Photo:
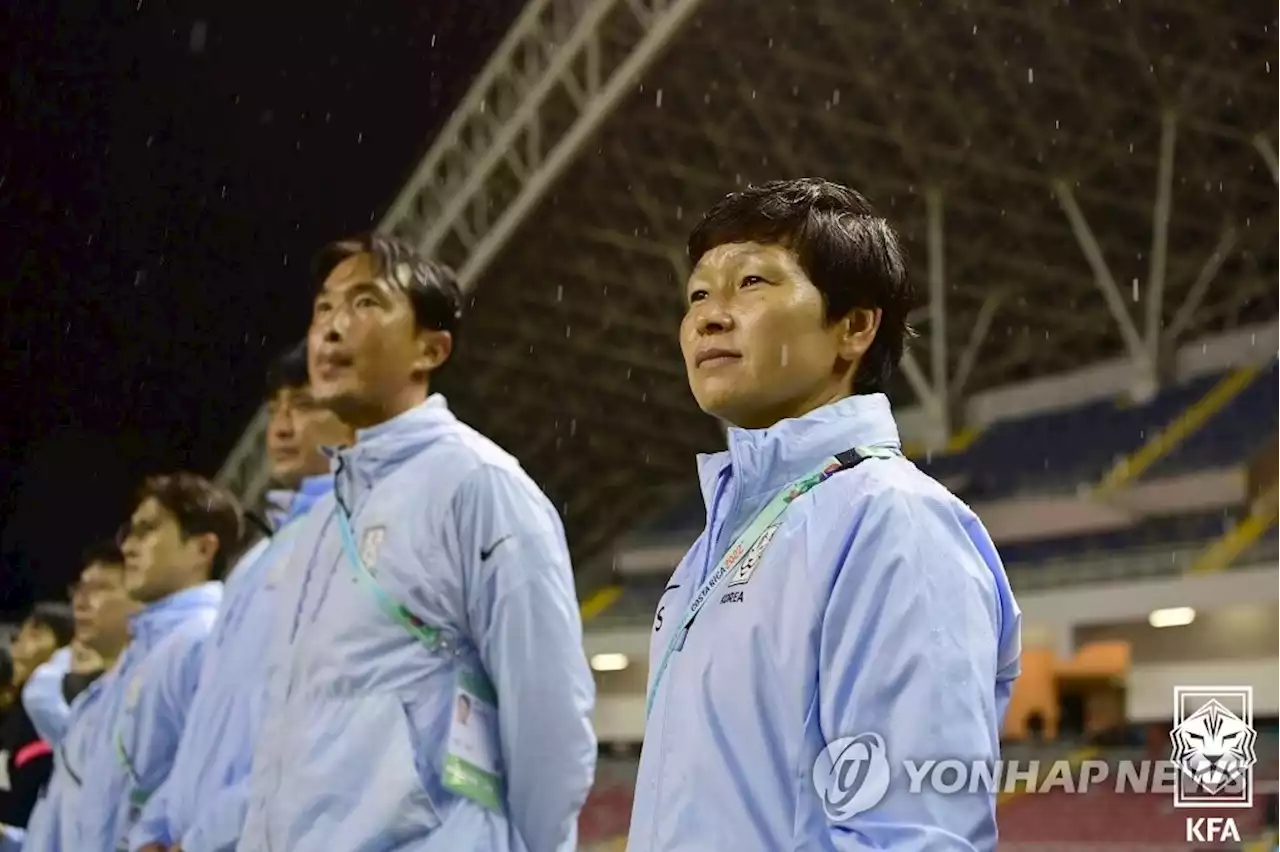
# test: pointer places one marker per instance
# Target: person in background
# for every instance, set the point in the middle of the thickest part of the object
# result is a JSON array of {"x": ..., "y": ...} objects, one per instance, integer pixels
[
  {"x": 176, "y": 546},
  {"x": 840, "y": 605},
  {"x": 8, "y": 695},
  {"x": 26, "y": 760},
  {"x": 201, "y": 805},
  {"x": 102, "y": 609},
  {"x": 439, "y": 570},
  {"x": 49, "y": 692}
]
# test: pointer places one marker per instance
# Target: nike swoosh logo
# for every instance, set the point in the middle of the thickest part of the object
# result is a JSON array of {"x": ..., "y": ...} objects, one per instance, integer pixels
[
  {"x": 672, "y": 586},
  {"x": 485, "y": 554}
]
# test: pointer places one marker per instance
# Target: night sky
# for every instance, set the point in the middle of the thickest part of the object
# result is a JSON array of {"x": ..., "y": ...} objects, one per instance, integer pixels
[{"x": 166, "y": 172}]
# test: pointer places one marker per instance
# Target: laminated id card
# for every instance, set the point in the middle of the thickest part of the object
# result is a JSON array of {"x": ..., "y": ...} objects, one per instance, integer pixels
[{"x": 472, "y": 763}]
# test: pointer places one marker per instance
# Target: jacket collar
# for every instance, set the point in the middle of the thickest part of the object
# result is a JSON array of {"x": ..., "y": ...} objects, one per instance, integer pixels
[
  {"x": 381, "y": 449},
  {"x": 159, "y": 617},
  {"x": 763, "y": 461}
]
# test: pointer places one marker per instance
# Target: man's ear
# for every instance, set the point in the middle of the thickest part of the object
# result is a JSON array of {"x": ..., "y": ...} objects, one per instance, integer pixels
[
  {"x": 856, "y": 332},
  {"x": 434, "y": 348},
  {"x": 206, "y": 545}
]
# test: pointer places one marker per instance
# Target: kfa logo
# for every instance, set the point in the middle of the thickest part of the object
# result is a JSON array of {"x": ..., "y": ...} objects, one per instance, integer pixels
[
  {"x": 370, "y": 544},
  {"x": 1213, "y": 750},
  {"x": 749, "y": 562}
]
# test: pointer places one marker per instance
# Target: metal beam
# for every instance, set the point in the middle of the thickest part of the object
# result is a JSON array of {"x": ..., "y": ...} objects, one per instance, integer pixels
[
  {"x": 1160, "y": 234},
  {"x": 1264, "y": 147},
  {"x": 1200, "y": 287},
  {"x": 915, "y": 377},
  {"x": 937, "y": 304},
  {"x": 497, "y": 123},
  {"x": 977, "y": 335},
  {"x": 1102, "y": 274},
  {"x": 663, "y": 24}
]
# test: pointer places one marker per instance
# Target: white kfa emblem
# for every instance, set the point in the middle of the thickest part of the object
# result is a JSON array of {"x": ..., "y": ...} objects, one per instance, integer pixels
[
  {"x": 749, "y": 562},
  {"x": 370, "y": 544},
  {"x": 133, "y": 692}
]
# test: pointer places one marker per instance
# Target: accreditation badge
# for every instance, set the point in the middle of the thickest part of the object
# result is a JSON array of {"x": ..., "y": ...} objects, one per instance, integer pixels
[{"x": 472, "y": 763}]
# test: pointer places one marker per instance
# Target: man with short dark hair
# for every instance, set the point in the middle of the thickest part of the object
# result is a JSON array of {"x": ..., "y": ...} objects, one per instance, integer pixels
[
  {"x": 841, "y": 612},
  {"x": 438, "y": 571},
  {"x": 77, "y": 726},
  {"x": 201, "y": 805},
  {"x": 176, "y": 546}
]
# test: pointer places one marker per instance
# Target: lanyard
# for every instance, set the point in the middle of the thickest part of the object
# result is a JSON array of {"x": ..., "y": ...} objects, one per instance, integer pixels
[
  {"x": 756, "y": 537},
  {"x": 395, "y": 611}
]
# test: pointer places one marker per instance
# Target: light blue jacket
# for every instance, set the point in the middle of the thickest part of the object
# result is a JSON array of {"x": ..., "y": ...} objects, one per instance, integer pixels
[
  {"x": 168, "y": 639},
  {"x": 43, "y": 699},
  {"x": 353, "y": 745},
  {"x": 880, "y": 606},
  {"x": 55, "y": 825},
  {"x": 202, "y": 803}
]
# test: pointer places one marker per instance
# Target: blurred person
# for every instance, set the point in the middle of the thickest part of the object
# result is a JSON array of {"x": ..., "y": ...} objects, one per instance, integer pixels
[
  {"x": 176, "y": 546},
  {"x": 441, "y": 571},
  {"x": 836, "y": 591},
  {"x": 26, "y": 759},
  {"x": 49, "y": 692},
  {"x": 201, "y": 805},
  {"x": 102, "y": 609}
]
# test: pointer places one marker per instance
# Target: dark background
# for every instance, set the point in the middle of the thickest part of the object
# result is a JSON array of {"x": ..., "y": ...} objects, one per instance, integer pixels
[{"x": 166, "y": 172}]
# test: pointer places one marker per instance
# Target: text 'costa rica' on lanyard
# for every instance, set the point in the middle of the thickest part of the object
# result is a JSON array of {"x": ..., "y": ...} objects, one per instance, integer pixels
[{"x": 760, "y": 531}]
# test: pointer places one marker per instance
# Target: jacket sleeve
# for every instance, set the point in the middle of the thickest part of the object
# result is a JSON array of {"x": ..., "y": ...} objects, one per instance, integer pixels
[
  {"x": 11, "y": 839},
  {"x": 218, "y": 825},
  {"x": 43, "y": 699},
  {"x": 153, "y": 824},
  {"x": 524, "y": 615},
  {"x": 908, "y": 650},
  {"x": 150, "y": 732}
]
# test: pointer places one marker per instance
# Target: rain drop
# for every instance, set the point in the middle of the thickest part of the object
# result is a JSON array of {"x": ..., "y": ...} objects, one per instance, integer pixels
[
  {"x": 1135, "y": 289},
  {"x": 785, "y": 353},
  {"x": 559, "y": 293},
  {"x": 1031, "y": 75},
  {"x": 658, "y": 100},
  {"x": 199, "y": 36}
]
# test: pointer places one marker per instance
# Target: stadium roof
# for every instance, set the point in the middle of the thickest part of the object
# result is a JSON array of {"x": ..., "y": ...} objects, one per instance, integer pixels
[{"x": 1074, "y": 181}]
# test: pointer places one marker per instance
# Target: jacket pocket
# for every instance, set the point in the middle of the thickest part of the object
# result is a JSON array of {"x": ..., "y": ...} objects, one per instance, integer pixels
[{"x": 360, "y": 787}]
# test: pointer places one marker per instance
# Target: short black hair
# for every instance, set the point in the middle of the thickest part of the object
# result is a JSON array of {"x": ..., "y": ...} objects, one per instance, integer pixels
[
  {"x": 103, "y": 552},
  {"x": 850, "y": 253},
  {"x": 288, "y": 370},
  {"x": 57, "y": 617},
  {"x": 200, "y": 507},
  {"x": 432, "y": 287}
]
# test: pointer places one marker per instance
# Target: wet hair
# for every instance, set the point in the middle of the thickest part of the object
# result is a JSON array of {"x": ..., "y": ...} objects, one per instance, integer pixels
[
  {"x": 200, "y": 507},
  {"x": 57, "y": 617},
  {"x": 849, "y": 252},
  {"x": 432, "y": 287},
  {"x": 103, "y": 552},
  {"x": 288, "y": 370}
]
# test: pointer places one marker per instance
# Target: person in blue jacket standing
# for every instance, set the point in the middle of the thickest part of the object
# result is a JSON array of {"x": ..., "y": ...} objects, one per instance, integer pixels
[
  {"x": 201, "y": 805},
  {"x": 176, "y": 545},
  {"x": 438, "y": 571},
  {"x": 841, "y": 612},
  {"x": 102, "y": 609}
]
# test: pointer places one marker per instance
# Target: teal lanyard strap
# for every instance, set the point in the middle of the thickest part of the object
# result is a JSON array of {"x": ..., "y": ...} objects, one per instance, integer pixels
[
  {"x": 393, "y": 610},
  {"x": 138, "y": 796},
  {"x": 759, "y": 531}
]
